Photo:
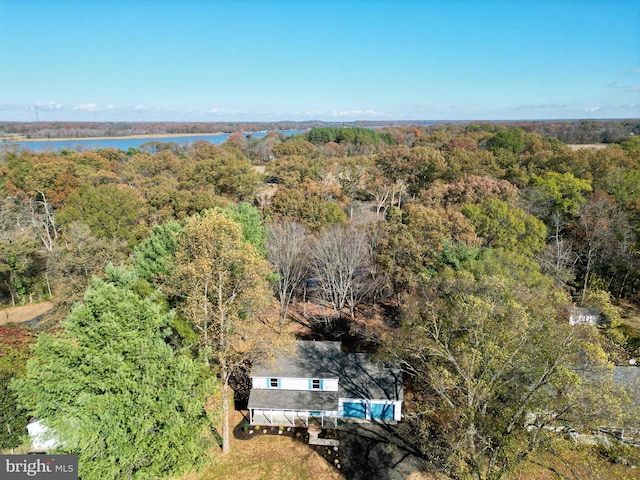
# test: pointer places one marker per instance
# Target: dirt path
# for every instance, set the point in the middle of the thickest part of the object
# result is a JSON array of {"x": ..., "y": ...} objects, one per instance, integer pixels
[{"x": 24, "y": 313}]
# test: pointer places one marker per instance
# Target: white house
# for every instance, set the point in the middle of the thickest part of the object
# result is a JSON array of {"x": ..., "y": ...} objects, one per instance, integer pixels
[
  {"x": 42, "y": 438},
  {"x": 318, "y": 384},
  {"x": 580, "y": 315}
]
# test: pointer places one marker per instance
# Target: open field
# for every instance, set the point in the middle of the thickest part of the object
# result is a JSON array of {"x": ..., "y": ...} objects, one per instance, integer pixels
[{"x": 590, "y": 146}]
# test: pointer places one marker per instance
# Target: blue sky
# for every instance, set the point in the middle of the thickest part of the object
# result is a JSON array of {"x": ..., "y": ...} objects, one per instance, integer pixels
[{"x": 198, "y": 60}]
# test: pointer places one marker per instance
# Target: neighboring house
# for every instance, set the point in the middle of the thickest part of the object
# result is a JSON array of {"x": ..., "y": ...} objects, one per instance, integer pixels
[
  {"x": 42, "y": 438},
  {"x": 579, "y": 315},
  {"x": 317, "y": 384}
]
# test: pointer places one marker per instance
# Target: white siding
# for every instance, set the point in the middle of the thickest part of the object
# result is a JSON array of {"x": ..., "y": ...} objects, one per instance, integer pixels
[
  {"x": 295, "y": 384},
  {"x": 42, "y": 438},
  {"x": 328, "y": 384},
  {"x": 259, "y": 382},
  {"x": 397, "y": 411}
]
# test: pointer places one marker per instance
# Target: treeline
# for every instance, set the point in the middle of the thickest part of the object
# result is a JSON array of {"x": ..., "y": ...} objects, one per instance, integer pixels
[
  {"x": 569, "y": 131},
  {"x": 356, "y": 135},
  {"x": 453, "y": 250},
  {"x": 123, "y": 129}
]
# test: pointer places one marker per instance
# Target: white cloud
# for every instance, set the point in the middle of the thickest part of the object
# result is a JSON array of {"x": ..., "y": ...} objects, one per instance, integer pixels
[
  {"x": 355, "y": 113},
  {"x": 222, "y": 111},
  {"x": 88, "y": 107},
  {"x": 592, "y": 109},
  {"x": 539, "y": 106},
  {"x": 49, "y": 105}
]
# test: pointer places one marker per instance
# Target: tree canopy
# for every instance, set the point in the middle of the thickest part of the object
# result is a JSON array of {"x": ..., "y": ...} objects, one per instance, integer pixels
[
  {"x": 220, "y": 283},
  {"x": 486, "y": 350},
  {"x": 456, "y": 249},
  {"x": 113, "y": 391}
]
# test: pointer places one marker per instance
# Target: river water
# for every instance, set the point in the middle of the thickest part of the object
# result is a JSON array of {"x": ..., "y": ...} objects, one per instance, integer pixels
[{"x": 122, "y": 143}]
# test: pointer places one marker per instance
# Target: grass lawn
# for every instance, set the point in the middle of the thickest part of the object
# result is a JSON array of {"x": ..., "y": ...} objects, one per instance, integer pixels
[
  {"x": 578, "y": 462},
  {"x": 266, "y": 457}
]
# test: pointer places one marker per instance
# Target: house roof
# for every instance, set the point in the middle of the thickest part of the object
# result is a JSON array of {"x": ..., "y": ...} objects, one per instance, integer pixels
[
  {"x": 362, "y": 377},
  {"x": 359, "y": 376},
  {"x": 293, "y": 399},
  {"x": 306, "y": 361}
]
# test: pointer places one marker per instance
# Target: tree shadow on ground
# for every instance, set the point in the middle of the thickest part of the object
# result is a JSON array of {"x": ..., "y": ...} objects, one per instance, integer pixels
[{"x": 373, "y": 451}]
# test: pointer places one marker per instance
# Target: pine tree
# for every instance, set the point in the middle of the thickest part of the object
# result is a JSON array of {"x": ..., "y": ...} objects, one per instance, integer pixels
[{"x": 113, "y": 391}]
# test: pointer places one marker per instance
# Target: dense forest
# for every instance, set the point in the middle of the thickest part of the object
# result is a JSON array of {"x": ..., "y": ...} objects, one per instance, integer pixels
[{"x": 454, "y": 250}]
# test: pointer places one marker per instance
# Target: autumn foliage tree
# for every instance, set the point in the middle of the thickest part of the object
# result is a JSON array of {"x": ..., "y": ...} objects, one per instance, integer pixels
[
  {"x": 221, "y": 285},
  {"x": 484, "y": 351},
  {"x": 15, "y": 341}
]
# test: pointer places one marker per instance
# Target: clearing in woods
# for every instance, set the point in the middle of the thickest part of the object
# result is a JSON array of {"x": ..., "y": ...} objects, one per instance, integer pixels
[{"x": 24, "y": 313}]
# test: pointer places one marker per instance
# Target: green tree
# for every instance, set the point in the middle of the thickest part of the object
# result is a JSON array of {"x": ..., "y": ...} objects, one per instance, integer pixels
[
  {"x": 496, "y": 368},
  {"x": 109, "y": 211},
  {"x": 295, "y": 146},
  {"x": 556, "y": 199},
  {"x": 249, "y": 218},
  {"x": 632, "y": 146},
  {"x": 416, "y": 242},
  {"x": 113, "y": 391},
  {"x": 313, "y": 211},
  {"x": 18, "y": 261},
  {"x": 228, "y": 173},
  {"x": 291, "y": 171},
  {"x": 154, "y": 255},
  {"x": 502, "y": 226},
  {"x": 561, "y": 193},
  {"x": 512, "y": 140},
  {"x": 221, "y": 285},
  {"x": 15, "y": 341},
  {"x": 417, "y": 167}
]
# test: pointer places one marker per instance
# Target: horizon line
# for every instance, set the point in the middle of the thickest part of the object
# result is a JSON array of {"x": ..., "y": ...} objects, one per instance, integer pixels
[{"x": 471, "y": 120}]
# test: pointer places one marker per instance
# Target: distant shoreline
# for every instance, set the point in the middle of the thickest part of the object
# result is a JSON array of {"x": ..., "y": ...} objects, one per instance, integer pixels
[{"x": 74, "y": 139}]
